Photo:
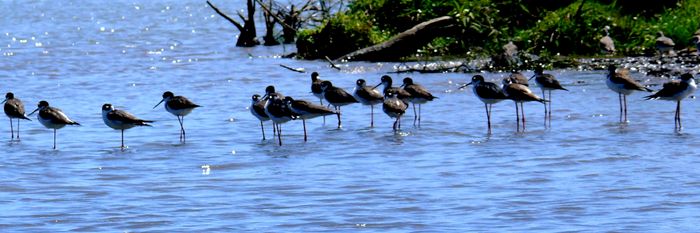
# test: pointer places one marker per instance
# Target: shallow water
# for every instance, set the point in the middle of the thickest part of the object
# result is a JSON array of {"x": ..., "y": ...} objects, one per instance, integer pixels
[{"x": 585, "y": 173}]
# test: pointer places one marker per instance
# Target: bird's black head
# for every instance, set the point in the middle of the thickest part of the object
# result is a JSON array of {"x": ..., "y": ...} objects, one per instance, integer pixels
[
  {"x": 107, "y": 107},
  {"x": 256, "y": 97},
  {"x": 407, "y": 81},
  {"x": 326, "y": 84},
  {"x": 9, "y": 96},
  {"x": 386, "y": 79},
  {"x": 686, "y": 77},
  {"x": 270, "y": 89},
  {"x": 288, "y": 99},
  {"x": 539, "y": 70},
  {"x": 314, "y": 76},
  {"x": 168, "y": 94},
  {"x": 360, "y": 82},
  {"x": 477, "y": 78},
  {"x": 611, "y": 68},
  {"x": 43, "y": 104}
]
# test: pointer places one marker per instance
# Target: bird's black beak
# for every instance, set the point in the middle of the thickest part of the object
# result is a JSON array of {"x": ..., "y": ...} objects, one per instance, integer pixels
[
  {"x": 37, "y": 109},
  {"x": 532, "y": 77},
  {"x": 161, "y": 101}
]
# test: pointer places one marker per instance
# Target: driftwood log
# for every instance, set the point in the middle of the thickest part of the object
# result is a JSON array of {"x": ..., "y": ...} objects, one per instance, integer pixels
[{"x": 404, "y": 43}]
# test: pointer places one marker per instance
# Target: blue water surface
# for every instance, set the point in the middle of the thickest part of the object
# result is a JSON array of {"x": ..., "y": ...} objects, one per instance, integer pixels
[{"x": 585, "y": 173}]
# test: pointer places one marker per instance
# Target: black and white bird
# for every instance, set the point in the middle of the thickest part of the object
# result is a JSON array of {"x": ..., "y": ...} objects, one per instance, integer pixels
[
  {"x": 278, "y": 112},
  {"x": 306, "y": 110},
  {"x": 52, "y": 118},
  {"x": 489, "y": 93},
  {"x": 121, "y": 120},
  {"x": 623, "y": 85},
  {"x": 179, "y": 106},
  {"x": 399, "y": 92},
  {"x": 394, "y": 108},
  {"x": 418, "y": 95},
  {"x": 548, "y": 83},
  {"x": 519, "y": 94},
  {"x": 337, "y": 97},
  {"x": 367, "y": 95},
  {"x": 14, "y": 109},
  {"x": 676, "y": 90},
  {"x": 257, "y": 108}
]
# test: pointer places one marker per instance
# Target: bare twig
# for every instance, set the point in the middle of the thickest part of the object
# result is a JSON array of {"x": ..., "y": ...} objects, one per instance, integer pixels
[
  {"x": 299, "y": 70},
  {"x": 280, "y": 21},
  {"x": 238, "y": 25},
  {"x": 332, "y": 64}
]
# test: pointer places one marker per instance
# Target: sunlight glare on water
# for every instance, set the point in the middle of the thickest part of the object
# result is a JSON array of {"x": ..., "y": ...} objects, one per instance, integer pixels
[{"x": 585, "y": 173}]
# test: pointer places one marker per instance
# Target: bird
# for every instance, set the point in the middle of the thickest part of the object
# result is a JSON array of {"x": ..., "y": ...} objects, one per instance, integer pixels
[
  {"x": 337, "y": 97},
  {"x": 316, "y": 86},
  {"x": 14, "y": 109},
  {"x": 400, "y": 93},
  {"x": 547, "y": 82},
  {"x": 519, "y": 94},
  {"x": 676, "y": 90},
  {"x": 664, "y": 44},
  {"x": 306, "y": 110},
  {"x": 316, "y": 89},
  {"x": 489, "y": 93},
  {"x": 270, "y": 90},
  {"x": 121, "y": 120},
  {"x": 52, "y": 118},
  {"x": 695, "y": 40},
  {"x": 394, "y": 108},
  {"x": 257, "y": 108},
  {"x": 418, "y": 95},
  {"x": 278, "y": 112},
  {"x": 606, "y": 43},
  {"x": 623, "y": 85},
  {"x": 179, "y": 106},
  {"x": 515, "y": 77},
  {"x": 367, "y": 96}
]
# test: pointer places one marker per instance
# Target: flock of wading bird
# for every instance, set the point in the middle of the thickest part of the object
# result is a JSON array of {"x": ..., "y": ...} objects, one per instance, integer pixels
[
  {"x": 54, "y": 118},
  {"x": 395, "y": 100}
]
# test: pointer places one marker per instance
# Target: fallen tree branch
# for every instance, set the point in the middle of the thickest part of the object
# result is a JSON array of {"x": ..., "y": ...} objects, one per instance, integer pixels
[
  {"x": 332, "y": 64},
  {"x": 238, "y": 25},
  {"x": 299, "y": 70}
]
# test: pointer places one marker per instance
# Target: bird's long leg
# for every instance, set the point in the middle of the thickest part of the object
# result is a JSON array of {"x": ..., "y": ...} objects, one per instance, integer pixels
[
  {"x": 54, "y": 139},
  {"x": 624, "y": 99},
  {"x": 303, "y": 122},
  {"x": 183, "y": 136},
  {"x": 522, "y": 112},
  {"x": 550, "y": 109},
  {"x": 17, "y": 129},
  {"x": 371, "y": 114},
  {"x": 262, "y": 128},
  {"x": 545, "y": 105},
  {"x": 122, "y": 140},
  {"x": 279, "y": 133},
  {"x": 339, "y": 123},
  {"x": 517, "y": 117},
  {"x": 488, "y": 116},
  {"x": 678, "y": 115},
  {"x": 274, "y": 130},
  {"x": 619, "y": 97}
]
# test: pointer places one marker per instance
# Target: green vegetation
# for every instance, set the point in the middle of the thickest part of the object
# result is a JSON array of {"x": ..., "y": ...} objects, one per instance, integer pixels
[{"x": 546, "y": 28}]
